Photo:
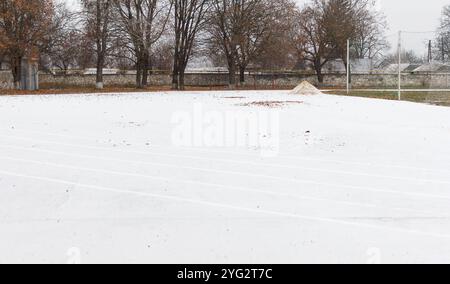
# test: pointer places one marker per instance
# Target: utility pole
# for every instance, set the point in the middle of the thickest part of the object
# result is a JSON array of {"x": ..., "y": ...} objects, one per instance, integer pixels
[
  {"x": 399, "y": 67},
  {"x": 442, "y": 49},
  {"x": 348, "y": 66},
  {"x": 430, "y": 56}
]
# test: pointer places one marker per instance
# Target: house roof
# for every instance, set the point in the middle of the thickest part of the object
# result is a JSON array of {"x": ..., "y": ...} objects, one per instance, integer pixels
[
  {"x": 361, "y": 66},
  {"x": 404, "y": 67},
  {"x": 429, "y": 67}
]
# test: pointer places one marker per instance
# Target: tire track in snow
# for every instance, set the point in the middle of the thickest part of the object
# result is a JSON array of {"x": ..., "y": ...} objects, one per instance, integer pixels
[{"x": 79, "y": 186}]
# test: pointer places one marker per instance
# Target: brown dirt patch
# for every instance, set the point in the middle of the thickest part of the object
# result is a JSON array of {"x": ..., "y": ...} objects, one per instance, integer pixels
[
  {"x": 271, "y": 104},
  {"x": 64, "y": 90}
]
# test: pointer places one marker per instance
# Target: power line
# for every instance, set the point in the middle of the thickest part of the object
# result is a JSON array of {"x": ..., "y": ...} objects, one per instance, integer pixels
[{"x": 418, "y": 32}]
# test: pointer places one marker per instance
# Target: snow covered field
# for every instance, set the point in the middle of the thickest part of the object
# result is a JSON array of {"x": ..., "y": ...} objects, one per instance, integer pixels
[{"x": 97, "y": 178}]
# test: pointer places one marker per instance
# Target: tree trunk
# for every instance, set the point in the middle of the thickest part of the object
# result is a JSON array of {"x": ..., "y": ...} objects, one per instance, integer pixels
[
  {"x": 17, "y": 72},
  {"x": 99, "y": 79},
  {"x": 139, "y": 71},
  {"x": 175, "y": 75},
  {"x": 146, "y": 64},
  {"x": 241, "y": 75},
  {"x": 231, "y": 76},
  {"x": 181, "y": 79},
  {"x": 320, "y": 77},
  {"x": 318, "y": 68},
  {"x": 175, "y": 81},
  {"x": 101, "y": 45}
]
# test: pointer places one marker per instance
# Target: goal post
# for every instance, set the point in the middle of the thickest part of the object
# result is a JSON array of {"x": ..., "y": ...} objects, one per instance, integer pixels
[
  {"x": 404, "y": 65},
  {"x": 348, "y": 66},
  {"x": 399, "y": 50}
]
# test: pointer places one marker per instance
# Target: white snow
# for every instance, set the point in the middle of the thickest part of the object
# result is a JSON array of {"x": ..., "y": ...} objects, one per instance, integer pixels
[
  {"x": 95, "y": 179},
  {"x": 305, "y": 88}
]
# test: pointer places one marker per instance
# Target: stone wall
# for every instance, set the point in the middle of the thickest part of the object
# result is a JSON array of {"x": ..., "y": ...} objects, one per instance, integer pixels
[
  {"x": 276, "y": 80},
  {"x": 46, "y": 80},
  {"x": 358, "y": 80},
  {"x": 6, "y": 80}
]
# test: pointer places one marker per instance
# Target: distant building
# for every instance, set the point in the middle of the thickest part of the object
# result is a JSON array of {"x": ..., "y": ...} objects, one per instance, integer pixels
[
  {"x": 93, "y": 71},
  {"x": 427, "y": 68},
  {"x": 357, "y": 66},
  {"x": 433, "y": 67},
  {"x": 337, "y": 66},
  {"x": 404, "y": 68}
]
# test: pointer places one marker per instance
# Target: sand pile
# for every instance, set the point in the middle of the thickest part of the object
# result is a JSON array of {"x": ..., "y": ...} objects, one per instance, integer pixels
[{"x": 305, "y": 88}]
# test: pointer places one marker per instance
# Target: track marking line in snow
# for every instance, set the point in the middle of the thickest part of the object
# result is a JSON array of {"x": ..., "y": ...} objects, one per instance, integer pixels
[
  {"x": 79, "y": 186},
  {"x": 300, "y": 181},
  {"x": 233, "y": 161},
  {"x": 94, "y": 139},
  {"x": 235, "y": 188}
]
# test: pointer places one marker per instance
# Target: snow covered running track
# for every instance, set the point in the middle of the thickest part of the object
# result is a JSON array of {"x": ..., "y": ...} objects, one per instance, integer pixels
[{"x": 355, "y": 180}]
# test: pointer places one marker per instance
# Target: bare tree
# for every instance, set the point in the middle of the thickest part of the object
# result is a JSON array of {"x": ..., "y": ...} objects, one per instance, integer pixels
[
  {"x": 189, "y": 18},
  {"x": 277, "y": 52},
  {"x": 240, "y": 30},
  {"x": 64, "y": 54},
  {"x": 63, "y": 44},
  {"x": 357, "y": 21},
  {"x": 144, "y": 22},
  {"x": 369, "y": 40},
  {"x": 255, "y": 23},
  {"x": 162, "y": 55},
  {"x": 222, "y": 32},
  {"x": 97, "y": 17},
  {"x": 23, "y": 28},
  {"x": 326, "y": 25},
  {"x": 408, "y": 56},
  {"x": 442, "y": 42},
  {"x": 311, "y": 40}
]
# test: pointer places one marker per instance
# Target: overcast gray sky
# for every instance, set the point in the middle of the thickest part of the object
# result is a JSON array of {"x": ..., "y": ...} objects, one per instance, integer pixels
[{"x": 405, "y": 15}]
